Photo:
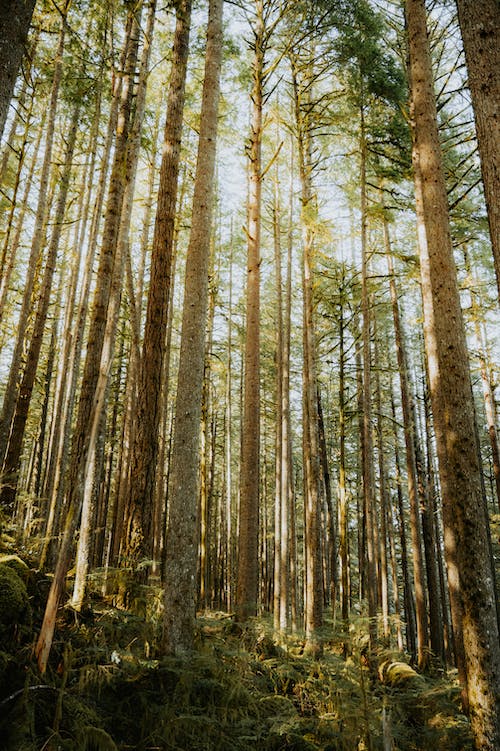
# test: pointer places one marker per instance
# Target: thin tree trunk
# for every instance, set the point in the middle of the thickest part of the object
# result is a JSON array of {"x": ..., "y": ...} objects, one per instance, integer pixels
[
  {"x": 367, "y": 442},
  {"x": 11, "y": 391},
  {"x": 310, "y": 418},
  {"x": 411, "y": 462},
  {"x": 14, "y": 449},
  {"x": 90, "y": 407},
  {"x": 408, "y": 602},
  {"x": 248, "y": 542}
]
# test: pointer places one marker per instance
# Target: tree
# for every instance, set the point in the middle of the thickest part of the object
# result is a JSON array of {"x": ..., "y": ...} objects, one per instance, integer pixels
[
  {"x": 452, "y": 401},
  {"x": 247, "y": 581},
  {"x": 182, "y": 531},
  {"x": 80, "y": 472},
  {"x": 480, "y": 28},
  {"x": 144, "y": 450},
  {"x": 15, "y": 21}
]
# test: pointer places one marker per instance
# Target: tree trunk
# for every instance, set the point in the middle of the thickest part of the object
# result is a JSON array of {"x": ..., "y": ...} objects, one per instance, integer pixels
[
  {"x": 15, "y": 20},
  {"x": 480, "y": 28},
  {"x": 367, "y": 442},
  {"x": 182, "y": 530},
  {"x": 453, "y": 407},
  {"x": 14, "y": 449},
  {"x": 144, "y": 450},
  {"x": 90, "y": 406},
  {"x": 411, "y": 462},
  {"x": 247, "y": 577},
  {"x": 310, "y": 417},
  {"x": 39, "y": 230}
]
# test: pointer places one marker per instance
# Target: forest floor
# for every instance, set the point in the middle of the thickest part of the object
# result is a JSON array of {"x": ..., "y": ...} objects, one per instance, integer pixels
[{"x": 107, "y": 690}]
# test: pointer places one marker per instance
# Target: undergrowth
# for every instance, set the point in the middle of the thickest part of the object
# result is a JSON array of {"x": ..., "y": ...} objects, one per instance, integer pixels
[{"x": 239, "y": 690}]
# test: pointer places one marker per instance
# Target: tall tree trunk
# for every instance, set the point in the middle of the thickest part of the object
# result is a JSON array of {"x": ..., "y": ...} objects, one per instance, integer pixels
[
  {"x": 144, "y": 450},
  {"x": 247, "y": 576},
  {"x": 90, "y": 405},
  {"x": 310, "y": 417},
  {"x": 408, "y": 602},
  {"x": 279, "y": 616},
  {"x": 367, "y": 442},
  {"x": 342, "y": 484},
  {"x": 39, "y": 230},
  {"x": 123, "y": 252},
  {"x": 14, "y": 449},
  {"x": 15, "y": 20},
  {"x": 411, "y": 462},
  {"x": 182, "y": 530},
  {"x": 453, "y": 407},
  {"x": 480, "y": 28}
]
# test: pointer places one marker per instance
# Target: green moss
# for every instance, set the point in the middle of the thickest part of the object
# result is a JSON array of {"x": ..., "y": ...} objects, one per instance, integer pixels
[
  {"x": 15, "y": 611},
  {"x": 16, "y": 564}
]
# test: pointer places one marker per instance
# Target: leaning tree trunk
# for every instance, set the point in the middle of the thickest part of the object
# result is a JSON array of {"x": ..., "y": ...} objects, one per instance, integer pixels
[
  {"x": 480, "y": 28},
  {"x": 89, "y": 407},
  {"x": 453, "y": 406},
  {"x": 39, "y": 230},
  {"x": 13, "y": 456}
]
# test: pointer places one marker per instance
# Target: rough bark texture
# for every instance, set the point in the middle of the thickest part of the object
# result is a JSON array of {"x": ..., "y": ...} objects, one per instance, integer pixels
[
  {"x": 453, "y": 406},
  {"x": 13, "y": 456},
  {"x": 480, "y": 28},
  {"x": 313, "y": 615},
  {"x": 411, "y": 464},
  {"x": 144, "y": 449},
  {"x": 247, "y": 581},
  {"x": 182, "y": 531},
  {"x": 90, "y": 402},
  {"x": 11, "y": 391},
  {"x": 15, "y": 20}
]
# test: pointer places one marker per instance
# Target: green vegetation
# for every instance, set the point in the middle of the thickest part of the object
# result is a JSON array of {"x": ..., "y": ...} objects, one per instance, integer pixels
[{"x": 106, "y": 688}]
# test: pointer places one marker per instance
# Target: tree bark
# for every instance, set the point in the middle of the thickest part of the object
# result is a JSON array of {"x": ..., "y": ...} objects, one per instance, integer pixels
[
  {"x": 15, "y": 21},
  {"x": 14, "y": 449},
  {"x": 453, "y": 407},
  {"x": 247, "y": 576},
  {"x": 90, "y": 402},
  {"x": 182, "y": 530},
  {"x": 480, "y": 28},
  {"x": 144, "y": 450}
]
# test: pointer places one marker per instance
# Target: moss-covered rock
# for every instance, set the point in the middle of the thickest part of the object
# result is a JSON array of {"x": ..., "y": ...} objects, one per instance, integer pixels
[
  {"x": 16, "y": 564},
  {"x": 15, "y": 611}
]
